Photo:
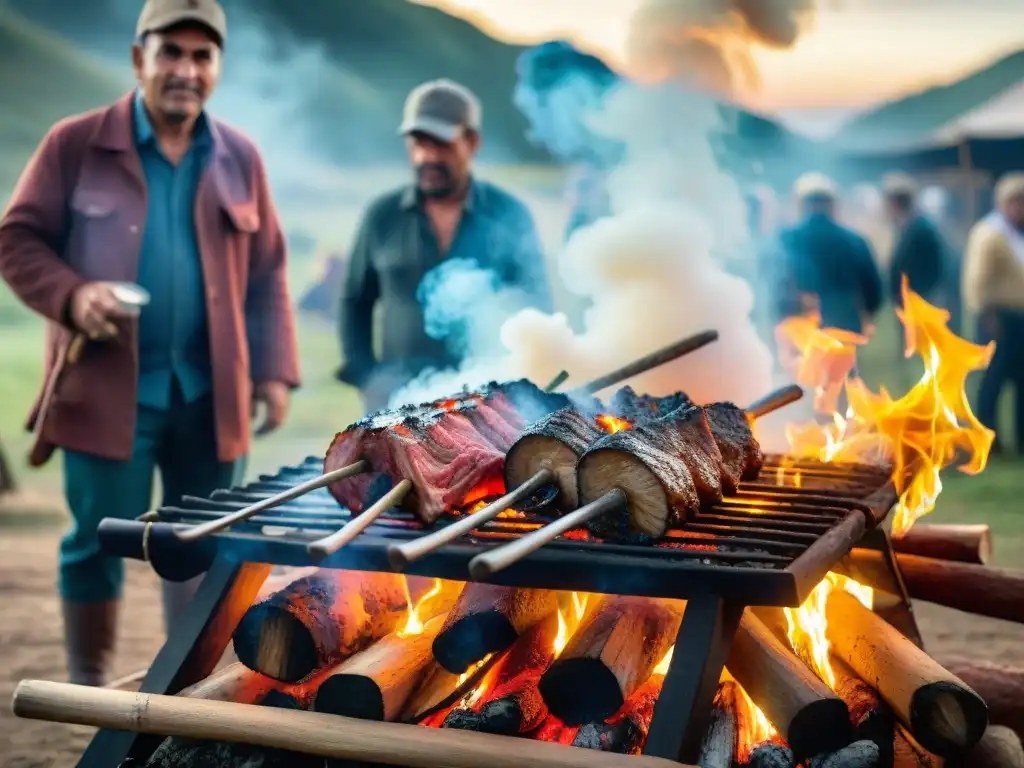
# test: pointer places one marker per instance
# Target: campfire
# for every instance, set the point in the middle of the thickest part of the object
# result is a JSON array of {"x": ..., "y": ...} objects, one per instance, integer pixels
[{"x": 761, "y": 622}]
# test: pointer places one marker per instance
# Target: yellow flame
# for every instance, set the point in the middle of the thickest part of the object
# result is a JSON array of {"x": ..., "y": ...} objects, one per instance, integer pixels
[
  {"x": 755, "y": 727},
  {"x": 413, "y": 623},
  {"x": 928, "y": 429},
  {"x": 662, "y": 668},
  {"x": 576, "y": 609},
  {"x": 807, "y": 625}
]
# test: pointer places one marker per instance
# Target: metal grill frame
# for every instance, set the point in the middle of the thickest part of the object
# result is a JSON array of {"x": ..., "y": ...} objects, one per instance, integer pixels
[{"x": 237, "y": 563}]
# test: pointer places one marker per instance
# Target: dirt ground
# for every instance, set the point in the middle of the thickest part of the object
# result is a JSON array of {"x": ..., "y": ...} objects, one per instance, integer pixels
[{"x": 30, "y": 640}]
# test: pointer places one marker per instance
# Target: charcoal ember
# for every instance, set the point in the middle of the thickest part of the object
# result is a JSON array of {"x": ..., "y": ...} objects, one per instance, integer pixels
[
  {"x": 622, "y": 738},
  {"x": 189, "y": 753},
  {"x": 860, "y": 754},
  {"x": 771, "y": 756},
  {"x": 463, "y": 720}
]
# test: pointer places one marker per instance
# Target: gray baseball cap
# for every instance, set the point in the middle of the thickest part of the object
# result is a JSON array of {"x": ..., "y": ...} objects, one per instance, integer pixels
[
  {"x": 442, "y": 109},
  {"x": 158, "y": 15}
]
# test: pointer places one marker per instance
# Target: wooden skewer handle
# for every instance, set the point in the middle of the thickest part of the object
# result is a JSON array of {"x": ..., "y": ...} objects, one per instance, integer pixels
[
  {"x": 205, "y": 529},
  {"x": 400, "y": 555},
  {"x": 328, "y": 545},
  {"x": 499, "y": 558},
  {"x": 308, "y": 732},
  {"x": 771, "y": 402},
  {"x": 653, "y": 360}
]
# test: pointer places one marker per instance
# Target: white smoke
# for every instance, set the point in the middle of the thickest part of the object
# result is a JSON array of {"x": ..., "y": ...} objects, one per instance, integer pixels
[{"x": 650, "y": 271}]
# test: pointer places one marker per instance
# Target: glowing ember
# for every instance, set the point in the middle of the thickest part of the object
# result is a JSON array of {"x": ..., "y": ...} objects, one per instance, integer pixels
[
  {"x": 413, "y": 623},
  {"x": 807, "y": 624},
  {"x": 928, "y": 429},
  {"x": 612, "y": 424}
]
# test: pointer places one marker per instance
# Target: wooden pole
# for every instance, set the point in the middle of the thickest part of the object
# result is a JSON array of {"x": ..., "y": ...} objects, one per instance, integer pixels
[
  {"x": 961, "y": 543},
  {"x": 942, "y": 712},
  {"x": 1001, "y": 686},
  {"x": 310, "y": 732}
]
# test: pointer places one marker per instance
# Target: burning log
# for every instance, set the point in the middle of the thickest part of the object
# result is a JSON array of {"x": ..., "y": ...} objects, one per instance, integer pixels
[
  {"x": 318, "y": 621},
  {"x": 235, "y": 682},
  {"x": 860, "y": 754},
  {"x": 944, "y": 715},
  {"x": 626, "y": 731},
  {"x": 612, "y": 653},
  {"x": 721, "y": 742},
  {"x": 511, "y": 703},
  {"x": 436, "y": 686},
  {"x": 1001, "y": 687},
  {"x": 871, "y": 718},
  {"x": 980, "y": 589},
  {"x": 771, "y": 756},
  {"x": 809, "y": 715},
  {"x": 960, "y": 543},
  {"x": 1000, "y": 747},
  {"x": 488, "y": 619},
  {"x": 907, "y": 753},
  {"x": 375, "y": 683}
]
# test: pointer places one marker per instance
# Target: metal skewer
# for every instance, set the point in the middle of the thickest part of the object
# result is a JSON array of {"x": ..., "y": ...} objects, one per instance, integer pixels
[
  {"x": 400, "y": 555},
  {"x": 490, "y": 562},
  {"x": 330, "y": 544},
  {"x": 205, "y": 529}
]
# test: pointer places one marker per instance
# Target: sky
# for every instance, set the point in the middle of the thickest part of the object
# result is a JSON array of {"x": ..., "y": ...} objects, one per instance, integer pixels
[{"x": 855, "y": 53}]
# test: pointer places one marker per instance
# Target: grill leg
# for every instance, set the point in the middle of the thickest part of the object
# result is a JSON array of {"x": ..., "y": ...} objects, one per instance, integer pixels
[
  {"x": 192, "y": 651},
  {"x": 900, "y": 614},
  {"x": 683, "y": 711}
]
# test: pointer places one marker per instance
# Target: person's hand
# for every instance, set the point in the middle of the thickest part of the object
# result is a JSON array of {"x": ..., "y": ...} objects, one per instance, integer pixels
[
  {"x": 274, "y": 395},
  {"x": 94, "y": 310}
]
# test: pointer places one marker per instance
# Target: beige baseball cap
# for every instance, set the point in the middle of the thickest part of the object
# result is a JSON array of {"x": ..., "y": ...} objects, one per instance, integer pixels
[
  {"x": 160, "y": 14},
  {"x": 442, "y": 109}
]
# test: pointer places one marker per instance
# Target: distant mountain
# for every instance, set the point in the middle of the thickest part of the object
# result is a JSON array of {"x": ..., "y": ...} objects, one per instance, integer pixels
[{"x": 911, "y": 120}]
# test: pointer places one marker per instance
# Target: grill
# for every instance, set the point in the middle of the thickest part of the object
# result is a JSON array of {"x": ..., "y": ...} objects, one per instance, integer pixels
[{"x": 767, "y": 546}]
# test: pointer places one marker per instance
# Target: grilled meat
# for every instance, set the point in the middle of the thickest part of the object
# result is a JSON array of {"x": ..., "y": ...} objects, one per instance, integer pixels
[
  {"x": 448, "y": 449},
  {"x": 668, "y": 469}
]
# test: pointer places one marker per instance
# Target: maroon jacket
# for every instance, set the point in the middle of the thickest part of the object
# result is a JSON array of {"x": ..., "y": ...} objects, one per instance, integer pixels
[{"x": 78, "y": 214}]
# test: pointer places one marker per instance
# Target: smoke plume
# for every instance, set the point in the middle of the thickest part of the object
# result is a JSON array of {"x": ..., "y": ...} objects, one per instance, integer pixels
[
  {"x": 708, "y": 43},
  {"x": 649, "y": 271}
]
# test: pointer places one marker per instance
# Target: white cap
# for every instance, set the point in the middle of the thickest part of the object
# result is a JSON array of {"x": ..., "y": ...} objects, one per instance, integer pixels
[
  {"x": 1009, "y": 187},
  {"x": 814, "y": 184},
  {"x": 899, "y": 184}
]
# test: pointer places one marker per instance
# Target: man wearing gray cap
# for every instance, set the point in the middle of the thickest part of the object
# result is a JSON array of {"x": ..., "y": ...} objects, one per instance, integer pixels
[
  {"x": 154, "y": 191},
  {"x": 445, "y": 219}
]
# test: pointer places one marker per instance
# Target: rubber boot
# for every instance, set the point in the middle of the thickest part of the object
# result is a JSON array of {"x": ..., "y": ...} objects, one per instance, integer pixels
[
  {"x": 177, "y": 596},
  {"x": 90, "y": 634}
]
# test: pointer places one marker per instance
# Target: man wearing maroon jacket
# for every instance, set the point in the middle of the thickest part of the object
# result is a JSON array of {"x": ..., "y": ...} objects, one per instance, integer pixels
[{"x": 149, "y": 190}]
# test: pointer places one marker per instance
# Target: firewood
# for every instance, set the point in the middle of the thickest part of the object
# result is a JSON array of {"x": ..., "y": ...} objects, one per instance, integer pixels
[
  {"x": 871, "y": 717},
  {"x": 612, "y": 653},
  {"x": 942, "y": 712},
  {"x": 718, "y": 749},
  {"x": 235, "y": 682},
  {"x": 487, "y": 619},
  {"x": 510, "y": 703},
  {"x": 318, "y": 621},
  {"x": 860, "y": 754},
  {"x": 1001, "y": 687},
  {"x": 771, "y": 756},
  {"x": 626, "y": 731},
  {"x": 812, "y": 718},
  {"x": 907, "y": 753},
  {"x": 177, "y": 752},
  {"x": 961, "y": 543},
  {"x": 436, "y": 685},
  {"x": 375, "y": 683},
  {"x": 980, "y": 589},
  {"x": 1000, "y": 747}
]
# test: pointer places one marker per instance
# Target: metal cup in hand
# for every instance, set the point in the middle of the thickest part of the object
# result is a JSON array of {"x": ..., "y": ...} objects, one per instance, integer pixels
[{"x": 132, "y": 297}]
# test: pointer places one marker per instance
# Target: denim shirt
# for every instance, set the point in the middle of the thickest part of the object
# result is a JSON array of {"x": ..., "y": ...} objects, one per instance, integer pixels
[{"x": 173, "y": 338}]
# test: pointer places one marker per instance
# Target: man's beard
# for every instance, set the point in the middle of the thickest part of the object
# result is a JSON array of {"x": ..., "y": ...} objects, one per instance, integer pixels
[{"x": 446, "y": 185}]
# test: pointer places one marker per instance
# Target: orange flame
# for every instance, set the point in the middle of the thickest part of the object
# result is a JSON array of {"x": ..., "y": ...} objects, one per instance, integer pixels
[
  {"x": 755, "y": 727},
  {"x": 413, "y": 623},
  {"x": 928, "y": 429},
  {"x": 807, "y": 624},
  {"x": 569, "y": 618},
  {"x": 612, "y": 424}
]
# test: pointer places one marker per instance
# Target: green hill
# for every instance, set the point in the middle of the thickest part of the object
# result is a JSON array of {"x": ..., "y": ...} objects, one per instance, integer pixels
[
  {"x": 42, "y": 79},
  {"x": 912, "y": 118}
]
